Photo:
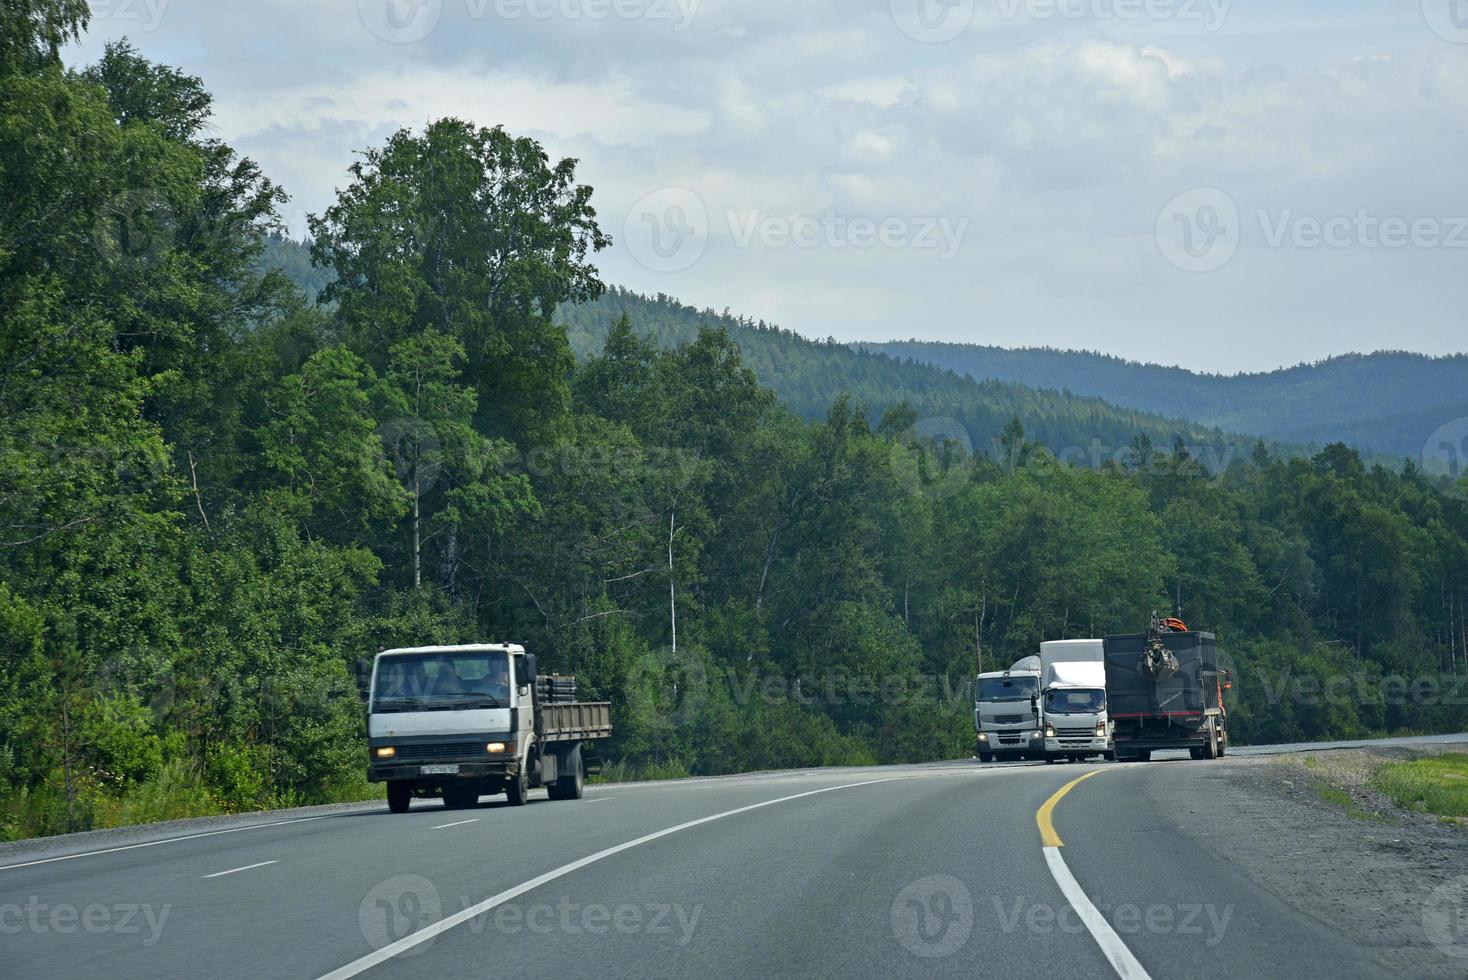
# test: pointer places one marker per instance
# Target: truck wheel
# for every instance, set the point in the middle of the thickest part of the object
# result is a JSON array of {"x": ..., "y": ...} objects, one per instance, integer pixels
[
  {"x": 518, "y": 792},
  {"x": 986, "y": 756},
  {"x": 1144, "y": 755},
  {"x": 1210, "y": 742},
  {"x": 399, "y": 796},
  {"x": 572, "y": 785}
]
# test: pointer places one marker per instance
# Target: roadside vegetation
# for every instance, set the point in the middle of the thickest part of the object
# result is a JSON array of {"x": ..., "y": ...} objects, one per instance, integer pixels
[
  {"x": 1435, "y": 784},
  {"x": 218, "y": 498}
]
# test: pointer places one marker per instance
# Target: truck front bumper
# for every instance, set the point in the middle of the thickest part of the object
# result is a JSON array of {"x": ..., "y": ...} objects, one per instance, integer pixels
[
  {"x": 461, "y": 770},
  {"x": 1076, "y": 746},
  {"x": 1016, "y": 744}
]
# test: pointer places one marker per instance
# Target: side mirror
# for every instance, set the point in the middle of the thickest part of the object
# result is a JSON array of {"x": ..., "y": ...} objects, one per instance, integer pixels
[
  {"x": 527, "y": 670},
  {"x": 364, "y": 679}
]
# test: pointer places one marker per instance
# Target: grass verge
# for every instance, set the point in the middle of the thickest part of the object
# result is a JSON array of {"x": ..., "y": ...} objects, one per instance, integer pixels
[{"x": 1435, "y": 784}]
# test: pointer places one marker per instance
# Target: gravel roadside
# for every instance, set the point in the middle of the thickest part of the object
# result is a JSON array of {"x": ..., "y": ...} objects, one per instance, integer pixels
[{"x": 1396, "y": 882}]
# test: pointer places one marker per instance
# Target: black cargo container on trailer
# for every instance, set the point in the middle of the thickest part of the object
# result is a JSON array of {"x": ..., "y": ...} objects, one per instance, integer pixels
[{"x": 1182, "y": 711}]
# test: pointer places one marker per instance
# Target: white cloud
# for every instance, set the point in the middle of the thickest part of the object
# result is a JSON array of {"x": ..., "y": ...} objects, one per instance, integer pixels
[{"x": 1056, "y": 141}]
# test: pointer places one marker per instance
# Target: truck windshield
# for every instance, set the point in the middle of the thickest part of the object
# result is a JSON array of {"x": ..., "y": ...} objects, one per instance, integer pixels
[
  {"x": 443, "y": 678},
  {"x": 1006, "y": 688},
  {"x": 1075, "y": 702}
]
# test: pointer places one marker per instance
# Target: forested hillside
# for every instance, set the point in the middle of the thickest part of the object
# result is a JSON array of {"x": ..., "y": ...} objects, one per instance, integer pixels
[
  {"x": 216, "y": 497},
  {"x": 1388, "y": 402},
  {"x": 809, "y": 375}
]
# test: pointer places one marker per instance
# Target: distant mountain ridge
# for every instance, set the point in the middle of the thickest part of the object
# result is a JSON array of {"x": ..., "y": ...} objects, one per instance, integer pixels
[
  {"x": 1387, "y": 402},
  {"x": 810, "y": 375},
  {"x": 1071, "y": 401}
]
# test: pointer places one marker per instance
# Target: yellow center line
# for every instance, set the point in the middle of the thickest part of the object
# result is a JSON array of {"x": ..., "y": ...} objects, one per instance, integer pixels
[{"x": 1044, "y": 815}]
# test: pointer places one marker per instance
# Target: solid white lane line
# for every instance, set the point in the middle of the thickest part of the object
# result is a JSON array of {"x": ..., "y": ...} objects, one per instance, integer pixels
[
  {"x": 474, "y": 911},
  {"x": 459, "y": 824},
  {"x": 1115, "y": 951},
  {"x": 599, "y": 799},
  {"x": 248, "y": 867},
  {"x": 154, "y": 843}
]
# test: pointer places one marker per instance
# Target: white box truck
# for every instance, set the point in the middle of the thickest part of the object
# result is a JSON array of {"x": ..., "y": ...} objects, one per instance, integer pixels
[
  {"x": 1072, "y": 700},
  {"x": 460, "y": 722},
  {"x": 1006, "y": 716}
]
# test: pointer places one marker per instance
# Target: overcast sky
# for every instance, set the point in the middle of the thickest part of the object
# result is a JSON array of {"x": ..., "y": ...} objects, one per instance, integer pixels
[{"x": 1223, "y": 184}]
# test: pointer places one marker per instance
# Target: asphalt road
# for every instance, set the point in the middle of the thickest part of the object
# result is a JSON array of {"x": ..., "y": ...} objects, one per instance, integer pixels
[{"x": 936, "y": 870}]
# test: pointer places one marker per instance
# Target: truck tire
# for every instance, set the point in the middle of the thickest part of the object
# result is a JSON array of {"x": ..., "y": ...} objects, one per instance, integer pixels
[
  {"x": 1144, "y": 755},
  {"x": 986, "y": 756},
  {"x": 399, "y": 797},
  {"x": 572, "y": 784},
  {"x": 518, "y": 792},
  {"x": 1210, "y": 741}
]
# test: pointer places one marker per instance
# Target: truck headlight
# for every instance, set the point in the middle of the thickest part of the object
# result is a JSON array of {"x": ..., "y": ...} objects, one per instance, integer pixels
[
  {"x": 1100, "y": 729},
  {"x": 498, "y": 748},
  {"x": 386, "y": 752},
  {"x": 1049, "y": 731},
  {"x": 983, "y": 736}
]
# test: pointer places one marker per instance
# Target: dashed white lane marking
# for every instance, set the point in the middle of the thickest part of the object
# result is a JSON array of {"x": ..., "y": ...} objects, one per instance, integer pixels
[
  {"x": 248, "y": 867},
  {"x": 459, "y": 824},
  {"x": 474, "y": 911},
  {"x": 154, "y": 843},
  {"x": 1115, "y": 951}
]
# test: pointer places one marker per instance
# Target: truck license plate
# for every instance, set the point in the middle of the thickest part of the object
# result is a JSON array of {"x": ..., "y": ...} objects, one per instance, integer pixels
[{"x": 440, "y": 770}]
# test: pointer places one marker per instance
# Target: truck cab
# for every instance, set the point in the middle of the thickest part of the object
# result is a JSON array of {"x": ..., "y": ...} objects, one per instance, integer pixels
[
  {"x": 1073, "y": 701},
  {"x": 459, "y": 722},
  {"x": 1006, "y": 720}
]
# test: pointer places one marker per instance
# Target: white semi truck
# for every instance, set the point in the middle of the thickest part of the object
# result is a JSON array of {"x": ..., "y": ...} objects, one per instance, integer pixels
[
  {"x": 1006, "y": 717},
  {"x": 460, "y": 722},
  {"x": 1072, "y": 700}
]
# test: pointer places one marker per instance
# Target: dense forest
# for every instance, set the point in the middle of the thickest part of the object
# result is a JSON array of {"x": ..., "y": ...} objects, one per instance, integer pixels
[
  {"x": 217, "y": 497},
  {"x": 1389, "y": 402}
]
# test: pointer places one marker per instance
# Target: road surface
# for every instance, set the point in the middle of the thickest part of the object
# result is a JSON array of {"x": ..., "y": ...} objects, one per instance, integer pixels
[{"x": 953, "y": 869}]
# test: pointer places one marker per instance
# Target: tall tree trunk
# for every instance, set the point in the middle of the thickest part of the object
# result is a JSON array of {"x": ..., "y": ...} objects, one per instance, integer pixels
[
  {"x": 672, "y": 583},
  {"x": 417, "y": 531}
]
